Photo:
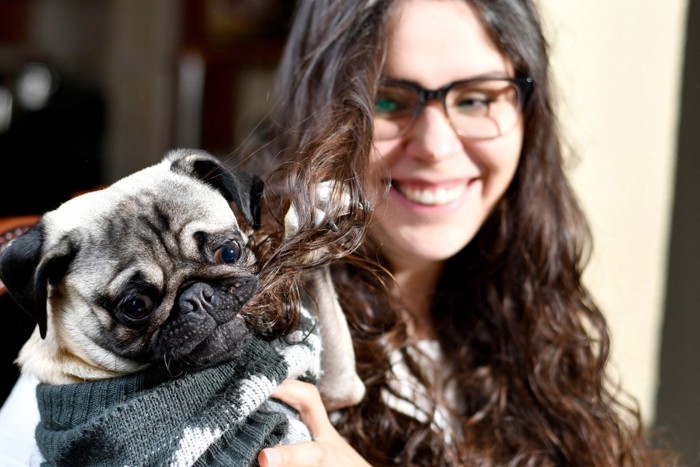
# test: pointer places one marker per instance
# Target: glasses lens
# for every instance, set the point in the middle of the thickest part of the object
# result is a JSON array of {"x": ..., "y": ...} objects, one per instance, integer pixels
[
  {"x": 394, "y": 110},
  {"x": 483, "y": 109}
]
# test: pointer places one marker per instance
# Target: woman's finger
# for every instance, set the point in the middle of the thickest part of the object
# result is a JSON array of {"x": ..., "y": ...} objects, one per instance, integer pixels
[
  {"x": 305, "y": 399},
  {"x": 298, "y": 455}
]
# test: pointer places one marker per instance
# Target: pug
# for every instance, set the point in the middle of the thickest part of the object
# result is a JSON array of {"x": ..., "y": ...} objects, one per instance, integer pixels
[{"x": 153, "y": 271}]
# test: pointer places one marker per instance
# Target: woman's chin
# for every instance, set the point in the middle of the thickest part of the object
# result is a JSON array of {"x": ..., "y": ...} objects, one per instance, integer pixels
[
  {"x": 425, "y": 232},
  {"x": 421, "y": 244}
]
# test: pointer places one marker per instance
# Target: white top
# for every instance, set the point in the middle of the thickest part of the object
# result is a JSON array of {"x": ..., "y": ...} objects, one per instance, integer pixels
[
  {"x": 413, "y": 400},
  {"x": 19, "y": 417}
]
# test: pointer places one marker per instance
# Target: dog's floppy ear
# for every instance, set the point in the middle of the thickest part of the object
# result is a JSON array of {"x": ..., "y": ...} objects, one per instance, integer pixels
[
  {"x": 27, "y": 274},
  {"x": 243, "y": 188}
]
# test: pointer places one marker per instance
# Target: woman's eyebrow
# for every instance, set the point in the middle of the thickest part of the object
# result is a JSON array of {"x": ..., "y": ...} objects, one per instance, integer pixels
[{"x": 484, "y": 75}]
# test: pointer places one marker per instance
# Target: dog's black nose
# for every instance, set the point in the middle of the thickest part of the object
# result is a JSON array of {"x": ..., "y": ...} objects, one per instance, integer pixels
[
  {"x": 222, "y": 301},
  {"x": 196, "y": 297}
]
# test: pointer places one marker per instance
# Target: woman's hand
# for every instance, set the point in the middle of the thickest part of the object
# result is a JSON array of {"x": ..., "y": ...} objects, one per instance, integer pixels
[{"x": 327, "y": 448}]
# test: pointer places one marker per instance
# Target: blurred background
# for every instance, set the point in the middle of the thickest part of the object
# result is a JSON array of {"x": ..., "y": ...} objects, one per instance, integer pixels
[{"x": 92, "y": 90}]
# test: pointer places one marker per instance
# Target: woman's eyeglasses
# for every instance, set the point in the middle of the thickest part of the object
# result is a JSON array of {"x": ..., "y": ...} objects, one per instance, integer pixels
[{"x": 481, "y": 108}]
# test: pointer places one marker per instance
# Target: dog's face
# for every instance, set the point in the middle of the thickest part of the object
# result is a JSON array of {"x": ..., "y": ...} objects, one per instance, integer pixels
[{"x": 152, "y": 269}]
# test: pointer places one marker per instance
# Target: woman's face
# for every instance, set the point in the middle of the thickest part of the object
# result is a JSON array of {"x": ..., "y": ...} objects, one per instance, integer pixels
[{"x": 443, "y": 186}]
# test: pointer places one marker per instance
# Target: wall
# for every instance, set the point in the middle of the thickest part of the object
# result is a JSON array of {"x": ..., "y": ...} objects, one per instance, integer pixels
[
  {"x": 140, "y": 78},
  {"x": 618, "y": 66},
  {"x": 128, "y": 48},
  {"x": 678, "y": 400}
]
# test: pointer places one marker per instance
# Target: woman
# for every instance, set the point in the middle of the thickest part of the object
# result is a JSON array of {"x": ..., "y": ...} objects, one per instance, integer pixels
[{"x": 487, "y": 349}]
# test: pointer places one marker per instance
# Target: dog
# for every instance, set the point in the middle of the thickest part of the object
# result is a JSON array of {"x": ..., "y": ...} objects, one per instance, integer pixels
[{"x": 151, "y": 273}]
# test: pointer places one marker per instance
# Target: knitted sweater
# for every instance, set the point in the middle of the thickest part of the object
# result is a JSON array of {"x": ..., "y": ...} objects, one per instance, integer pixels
[{"x": 216, "y": 416}]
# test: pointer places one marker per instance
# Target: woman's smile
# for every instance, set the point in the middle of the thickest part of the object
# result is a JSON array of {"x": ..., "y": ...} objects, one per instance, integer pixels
[{"x": 430, "y": 194}]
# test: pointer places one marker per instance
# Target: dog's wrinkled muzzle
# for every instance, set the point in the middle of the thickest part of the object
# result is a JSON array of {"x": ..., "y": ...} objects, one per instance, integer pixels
[{"x": 204, "y": 327}]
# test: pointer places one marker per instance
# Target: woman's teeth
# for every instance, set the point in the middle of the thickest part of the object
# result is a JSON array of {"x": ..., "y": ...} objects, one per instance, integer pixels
[{"x": 431, "y": 196}]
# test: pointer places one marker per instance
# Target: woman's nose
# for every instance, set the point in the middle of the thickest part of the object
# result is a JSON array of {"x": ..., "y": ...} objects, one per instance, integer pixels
[{"x": 432, "y": 137}]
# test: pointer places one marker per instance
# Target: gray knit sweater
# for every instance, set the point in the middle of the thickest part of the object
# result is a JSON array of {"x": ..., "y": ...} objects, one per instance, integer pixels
[{"x": 216, "y": 416}]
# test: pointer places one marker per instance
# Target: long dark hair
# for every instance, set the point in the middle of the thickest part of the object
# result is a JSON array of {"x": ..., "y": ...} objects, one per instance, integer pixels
[{"x": 524, "y": 344}]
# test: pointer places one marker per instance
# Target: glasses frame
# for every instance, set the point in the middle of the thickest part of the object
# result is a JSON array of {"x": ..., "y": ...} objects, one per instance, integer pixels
[{"x": 523, "y": 86}]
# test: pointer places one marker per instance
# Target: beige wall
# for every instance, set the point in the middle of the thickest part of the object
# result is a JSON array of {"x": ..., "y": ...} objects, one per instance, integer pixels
[{"x": 618, "y": 66}]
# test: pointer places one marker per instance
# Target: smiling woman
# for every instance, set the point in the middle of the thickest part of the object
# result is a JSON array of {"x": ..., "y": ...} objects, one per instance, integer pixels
[{"x": 474, "y": 334}]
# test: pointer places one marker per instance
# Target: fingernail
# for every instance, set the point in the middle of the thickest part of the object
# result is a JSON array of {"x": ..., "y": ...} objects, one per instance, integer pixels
[{"x": 272, "y": 457}]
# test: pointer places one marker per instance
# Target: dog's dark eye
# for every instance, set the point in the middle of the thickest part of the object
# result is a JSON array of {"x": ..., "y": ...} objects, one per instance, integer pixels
[
  {"x": 137, "y": 306},
  {"x": 228, "y": 254}
]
